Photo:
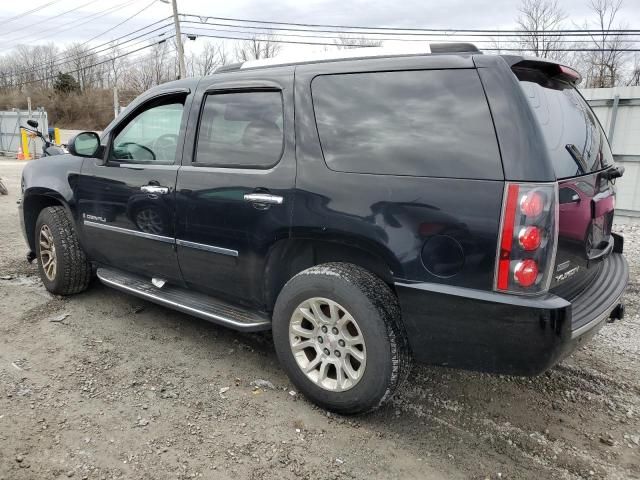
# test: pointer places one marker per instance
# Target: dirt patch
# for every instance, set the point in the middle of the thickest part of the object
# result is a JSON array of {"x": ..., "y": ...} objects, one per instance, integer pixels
[{"x": 121, "y": 388}]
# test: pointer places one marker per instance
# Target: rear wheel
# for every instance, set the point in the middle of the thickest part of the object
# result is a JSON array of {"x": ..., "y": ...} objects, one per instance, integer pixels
[
  {"x": 63, "y": 265},
  {"x": 337, "y": 332}
]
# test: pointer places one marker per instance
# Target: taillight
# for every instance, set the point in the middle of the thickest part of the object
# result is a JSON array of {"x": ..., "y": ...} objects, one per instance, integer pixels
[
  {"x": 532, "y": 204},
  {"x": 526, "y": 272},
  {"x": 528, "y": 237}
]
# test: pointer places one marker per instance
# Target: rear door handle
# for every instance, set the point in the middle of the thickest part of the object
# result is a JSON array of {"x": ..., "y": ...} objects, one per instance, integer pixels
[
  {"x": 155, "y": 189},
  {"x": 263, "y": 198}
]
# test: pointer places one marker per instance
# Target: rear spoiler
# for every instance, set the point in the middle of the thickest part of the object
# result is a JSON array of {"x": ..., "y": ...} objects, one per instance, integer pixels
[{"x": 540, "y": 70}]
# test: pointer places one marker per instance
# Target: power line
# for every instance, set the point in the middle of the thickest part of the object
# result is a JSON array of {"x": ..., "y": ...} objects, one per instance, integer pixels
[
  {"x": 120, "y": 24},
  {"x": 414, "y": 33},
  {"x": 90, "y": 66},
  {"x": 346, "y": 38},
  {"x": 93, "y": 51},
  {"x": 11, "y": 19},
  {"x": 412, "y": 29},
  {"x": 83, "y": 21},
  {"x": 48, "y": 19},
  {"x": 505, "y": 49}
]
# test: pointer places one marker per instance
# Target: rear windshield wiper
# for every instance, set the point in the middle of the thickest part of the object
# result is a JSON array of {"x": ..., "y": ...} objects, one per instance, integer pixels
[{"x": 577, "y": 157}]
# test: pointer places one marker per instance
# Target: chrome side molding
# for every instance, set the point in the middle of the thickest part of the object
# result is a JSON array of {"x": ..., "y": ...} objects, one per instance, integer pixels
[
  {"x": 207, "y": 248},
  {"x": 128, "y": 231}
]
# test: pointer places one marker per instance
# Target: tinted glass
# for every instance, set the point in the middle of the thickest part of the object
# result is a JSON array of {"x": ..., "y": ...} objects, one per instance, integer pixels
[
  {"x": 426, "y": 123},
  {"x": 151, "y": 136},
  {"x": 241, "y": 130},
  {"x": 576, "y": 142}
]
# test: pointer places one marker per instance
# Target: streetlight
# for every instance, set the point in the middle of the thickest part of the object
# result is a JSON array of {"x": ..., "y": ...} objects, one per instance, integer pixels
[{"x": 181, "y": 67}]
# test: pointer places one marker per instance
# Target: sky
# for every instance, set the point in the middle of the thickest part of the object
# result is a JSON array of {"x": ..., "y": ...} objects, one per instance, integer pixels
[{"x": 48, "y": 25}]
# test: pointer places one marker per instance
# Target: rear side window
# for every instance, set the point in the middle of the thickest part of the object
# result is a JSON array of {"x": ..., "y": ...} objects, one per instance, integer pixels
[
  {"x": 241, "y": 130},
  {"x": 432, "y": 123},
  {"x": 576, "y": 143}
]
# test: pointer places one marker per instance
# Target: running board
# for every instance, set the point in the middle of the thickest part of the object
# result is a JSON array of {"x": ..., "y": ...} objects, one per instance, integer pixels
[{"x": 186, "y": 301}]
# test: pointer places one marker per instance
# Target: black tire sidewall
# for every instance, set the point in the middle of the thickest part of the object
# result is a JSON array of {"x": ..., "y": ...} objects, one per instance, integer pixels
[{"x": 374, "y": 385}]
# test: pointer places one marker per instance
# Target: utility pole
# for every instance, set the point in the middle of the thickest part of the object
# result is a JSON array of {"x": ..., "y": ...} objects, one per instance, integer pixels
[
  {"x": 116, "y": 102},
  {"x": 181, "y": 66}
]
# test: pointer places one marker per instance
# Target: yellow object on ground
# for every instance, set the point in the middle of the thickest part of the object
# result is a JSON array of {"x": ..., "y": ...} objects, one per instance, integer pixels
[
  {"x": 24, "y": 154},
  {"x": 56, "y": 136}
]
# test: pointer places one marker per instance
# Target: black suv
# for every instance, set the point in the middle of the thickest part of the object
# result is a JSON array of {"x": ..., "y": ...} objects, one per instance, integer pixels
[{"x": 450, "y": 207}]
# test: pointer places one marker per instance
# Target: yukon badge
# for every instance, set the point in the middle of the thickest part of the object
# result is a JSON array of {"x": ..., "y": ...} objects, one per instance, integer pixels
[{"x": 567, "y": 274}]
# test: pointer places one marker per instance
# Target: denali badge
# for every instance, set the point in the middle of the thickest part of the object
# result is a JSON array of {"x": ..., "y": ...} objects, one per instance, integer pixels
[
  {"x": 567, "y": 274},
  {"x": 94, "y": 218}
]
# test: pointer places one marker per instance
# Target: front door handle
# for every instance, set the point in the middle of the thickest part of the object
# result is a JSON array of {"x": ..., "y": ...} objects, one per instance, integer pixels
[
  {"x": 263, "y": 198},
  {"x": 155, "y": 189}
]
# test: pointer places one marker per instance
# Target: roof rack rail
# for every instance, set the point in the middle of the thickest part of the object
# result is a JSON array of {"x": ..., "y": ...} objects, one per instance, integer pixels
[
  {"x": 454, "y": 48},
  {"x": 352, "y": 53},
  {"x": 229, "y": 68},
  {"x": 358, "y": 53}
]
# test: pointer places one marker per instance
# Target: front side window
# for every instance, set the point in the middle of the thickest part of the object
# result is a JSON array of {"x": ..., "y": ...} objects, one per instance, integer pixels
[
  {"x": 242, "y": 130},
  {"x": 151, "y": 136},
  {"x": 433, "y": 123}
]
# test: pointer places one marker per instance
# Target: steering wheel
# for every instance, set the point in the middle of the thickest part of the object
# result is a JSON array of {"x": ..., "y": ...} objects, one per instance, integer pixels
[
  {"x": 142, "y": 147},
  {"x": 166, "y": 145}
]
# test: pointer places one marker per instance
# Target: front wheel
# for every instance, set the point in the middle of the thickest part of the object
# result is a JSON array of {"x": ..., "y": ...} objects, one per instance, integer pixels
[
  {"x": 338, "y": 333},
  {"x": 63, "y": 265}
]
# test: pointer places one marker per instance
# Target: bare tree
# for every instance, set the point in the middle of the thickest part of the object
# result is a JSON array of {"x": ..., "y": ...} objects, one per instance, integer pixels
[
  {"x": 346, "y": 41},
  {"x": 116, "y": 66},
  {"x": 604, "y": 66},
  {"x": 257, "y": 48},
  {"x": 82, "y": 61},
  {"x": 211, "y": 57},
  {"x": 634, "y": 79},
  {"x": 538, "y": 20}
]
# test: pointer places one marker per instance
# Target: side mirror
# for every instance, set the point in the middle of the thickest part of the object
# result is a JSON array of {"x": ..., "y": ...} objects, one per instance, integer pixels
[
  {"x": 85, "y": 144},
  {"x": 32, "y": 123}
]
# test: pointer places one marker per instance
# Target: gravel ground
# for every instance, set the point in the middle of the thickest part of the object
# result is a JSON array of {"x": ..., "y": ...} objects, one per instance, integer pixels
[{"x": 121, "y": 388}]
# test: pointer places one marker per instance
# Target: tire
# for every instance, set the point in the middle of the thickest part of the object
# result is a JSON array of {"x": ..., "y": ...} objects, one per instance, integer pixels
[
  {"x": 65, "y": 269},
  {"x": 378, "y": 360}
]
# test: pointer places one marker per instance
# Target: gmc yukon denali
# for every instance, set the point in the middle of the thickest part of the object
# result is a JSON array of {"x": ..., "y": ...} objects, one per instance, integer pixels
[{"x": 369, "y": 209}]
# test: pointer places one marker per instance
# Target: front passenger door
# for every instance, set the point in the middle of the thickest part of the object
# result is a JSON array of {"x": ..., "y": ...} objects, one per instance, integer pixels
[{"x": 127, "y": 200}]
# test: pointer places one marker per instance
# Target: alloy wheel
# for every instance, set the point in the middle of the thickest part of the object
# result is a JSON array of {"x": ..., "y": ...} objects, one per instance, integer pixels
[
  {"x": 327, "y": 344},
  {"x": 47, "y": 252}
]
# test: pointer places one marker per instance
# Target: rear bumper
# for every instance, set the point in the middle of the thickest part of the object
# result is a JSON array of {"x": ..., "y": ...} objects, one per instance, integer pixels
[{"x": 501, "y": 333}]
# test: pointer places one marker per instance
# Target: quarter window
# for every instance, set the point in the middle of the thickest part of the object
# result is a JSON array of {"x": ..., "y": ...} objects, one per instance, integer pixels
[
  {"x": 241, "y": 130},
  {"x": 433, "y": 123}
]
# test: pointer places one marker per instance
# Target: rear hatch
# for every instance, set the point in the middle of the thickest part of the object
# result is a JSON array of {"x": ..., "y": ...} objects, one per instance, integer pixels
[{"x": 583, "y": 163}]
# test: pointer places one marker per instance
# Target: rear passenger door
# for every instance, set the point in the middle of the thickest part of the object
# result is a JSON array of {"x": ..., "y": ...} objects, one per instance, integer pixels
[{"x": 234, "y": 190}]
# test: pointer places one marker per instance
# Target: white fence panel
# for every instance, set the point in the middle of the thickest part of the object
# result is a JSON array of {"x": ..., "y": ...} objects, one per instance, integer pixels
[
  {"x": 618, "y": 110},
  {"x": 10, "y": 122}
]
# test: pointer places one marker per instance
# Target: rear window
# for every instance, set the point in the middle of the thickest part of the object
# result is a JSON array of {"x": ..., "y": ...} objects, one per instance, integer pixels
[
  {"x": 576, "y": 143},
  {"x": 424, "y": 123}
]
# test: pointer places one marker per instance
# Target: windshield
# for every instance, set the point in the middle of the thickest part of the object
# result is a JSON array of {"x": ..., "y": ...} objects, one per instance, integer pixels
[{"x": 577, "y": 145}]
